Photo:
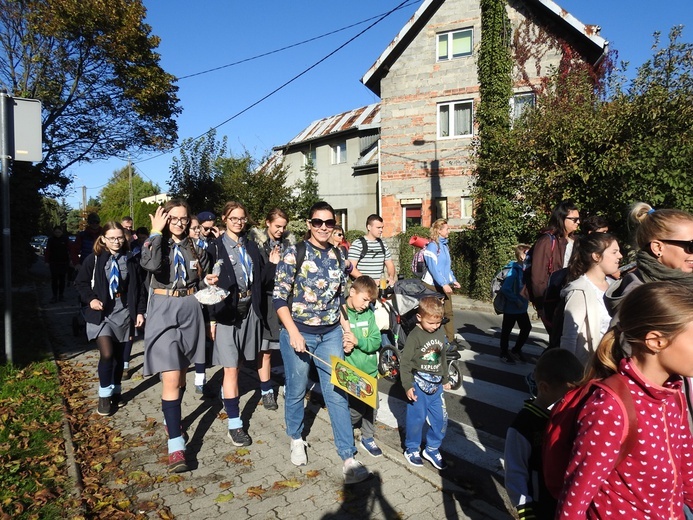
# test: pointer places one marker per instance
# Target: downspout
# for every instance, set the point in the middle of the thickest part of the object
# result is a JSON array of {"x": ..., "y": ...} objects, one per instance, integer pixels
[{"x": 380, "y": 183}]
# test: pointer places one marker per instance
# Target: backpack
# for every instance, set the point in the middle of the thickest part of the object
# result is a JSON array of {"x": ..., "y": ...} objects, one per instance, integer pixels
[
  {"x": 559, "y": 437},
  {"x": 536, "y": 299},
  {"x": 364, "y": 248},
  {"x": 496, "y": 295},
  {"x": 418, "y": 264}
]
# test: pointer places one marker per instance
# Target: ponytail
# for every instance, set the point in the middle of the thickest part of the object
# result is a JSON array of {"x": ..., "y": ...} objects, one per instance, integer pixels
[{"x": 606, "y": 358}]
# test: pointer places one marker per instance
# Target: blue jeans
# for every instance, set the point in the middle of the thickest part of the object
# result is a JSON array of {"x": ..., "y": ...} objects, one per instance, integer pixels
[
  {"x": 296, "y": 367},
  {"x": 417, "y": 411}
]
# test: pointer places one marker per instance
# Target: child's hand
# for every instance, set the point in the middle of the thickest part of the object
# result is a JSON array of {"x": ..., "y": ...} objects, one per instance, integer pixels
[
  {"x": 447, "y": 386},
  {"x": 350, "y": 337},
  {"x": 411, "y": 395}
]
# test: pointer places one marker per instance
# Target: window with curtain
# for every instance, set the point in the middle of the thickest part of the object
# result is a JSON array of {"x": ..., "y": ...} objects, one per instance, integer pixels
[
  {"x": 455, "y": 119},
  {"x": 455, "y": 44},
  {"x": 520, "y": 103},
  {"x": 412, "y": 216},
  {"x": 339, "y": 153}
]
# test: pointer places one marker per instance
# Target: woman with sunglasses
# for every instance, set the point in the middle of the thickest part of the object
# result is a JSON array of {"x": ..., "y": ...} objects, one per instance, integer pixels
[
  {"x": 551, "y": 252},
  {"x": 665, "y": 241},
  {"x": 338, "y": 241},
  {"x": 272, "y": 242},
  {"x": 110, "y": 285},
  {"x": 175, "y": 333},
  {"x": 235, "y": 322},
  {"x": 309, "y": 303}
]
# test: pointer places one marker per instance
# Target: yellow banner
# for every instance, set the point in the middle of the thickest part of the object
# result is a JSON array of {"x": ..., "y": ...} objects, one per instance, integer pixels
[{"x": 354, "y": 381}]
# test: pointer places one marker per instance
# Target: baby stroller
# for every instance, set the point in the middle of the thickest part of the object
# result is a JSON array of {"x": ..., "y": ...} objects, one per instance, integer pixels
[{"x": 401, "y": 308}]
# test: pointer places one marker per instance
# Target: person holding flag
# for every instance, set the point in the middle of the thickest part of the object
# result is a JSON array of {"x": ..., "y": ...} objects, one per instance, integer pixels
[{"x": 110, "y": 285}]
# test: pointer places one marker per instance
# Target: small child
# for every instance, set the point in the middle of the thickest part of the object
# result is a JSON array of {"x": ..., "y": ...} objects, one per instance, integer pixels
[
  {"x": 424, "y": 373},
  {"x": 557, "y": 371},
  {"x": 364, "y": 339}
]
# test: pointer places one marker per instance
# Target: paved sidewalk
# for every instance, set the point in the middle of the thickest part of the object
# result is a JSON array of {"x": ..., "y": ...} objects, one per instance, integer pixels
[{"x": 257, "y": 482}]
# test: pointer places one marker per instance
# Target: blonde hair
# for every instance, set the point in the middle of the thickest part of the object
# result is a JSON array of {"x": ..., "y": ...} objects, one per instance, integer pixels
[
  {"x": 664, "y": 307},
  {"x": 431, "y": 306},
  {"x": 435, "y": 228},
  {"x": 651, "y": 224}
]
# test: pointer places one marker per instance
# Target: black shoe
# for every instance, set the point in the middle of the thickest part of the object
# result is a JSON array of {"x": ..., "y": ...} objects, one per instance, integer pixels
[
  {"x": 519, "y": 355},
  {"x": 117, "y": 401},
  {"x": 508, "y": 358},
  {"x": 53, "y": 300},
  {"x": 269, "y": 402},
  {"x": 239, "y": 437},
  {"x": 104, "y": 407}
]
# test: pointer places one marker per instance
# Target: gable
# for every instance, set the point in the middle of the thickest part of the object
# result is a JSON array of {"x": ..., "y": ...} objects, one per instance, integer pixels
[{"x": 546, "y": 13}]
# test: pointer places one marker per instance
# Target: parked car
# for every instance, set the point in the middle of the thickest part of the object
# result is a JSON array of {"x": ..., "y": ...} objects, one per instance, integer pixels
[{"x": 38, "y": 244}]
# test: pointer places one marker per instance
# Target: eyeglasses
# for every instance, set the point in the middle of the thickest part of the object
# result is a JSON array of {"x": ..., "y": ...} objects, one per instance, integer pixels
[
  {"x": 317, "y": 223},
  {"x": 113, "y": 240},
  {"x": 574, "y": 219},
  {"x": 183, "y": 220},
  {"x": 196, "y": 228},
  {"x": 338, "y": 234},
  {"x": 237, "y": 220},
  {"x": 687, "y": 245},
  {"x": 206, "y": 229}
]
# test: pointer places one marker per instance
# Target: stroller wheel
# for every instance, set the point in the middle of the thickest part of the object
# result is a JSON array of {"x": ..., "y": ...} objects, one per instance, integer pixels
[
  {"x": 388, "y": 363},
  {"x": 454, "y": 375}
]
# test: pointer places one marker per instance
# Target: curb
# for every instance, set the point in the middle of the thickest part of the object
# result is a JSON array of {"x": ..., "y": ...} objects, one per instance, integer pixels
[{"x": 73, "y": 470}]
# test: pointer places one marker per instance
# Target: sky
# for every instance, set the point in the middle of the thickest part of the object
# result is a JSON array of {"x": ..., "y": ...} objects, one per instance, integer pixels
[{"x": 212, "y": 34}]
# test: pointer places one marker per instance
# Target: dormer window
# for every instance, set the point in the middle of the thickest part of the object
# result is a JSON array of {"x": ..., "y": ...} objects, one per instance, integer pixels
[{"x": 455, "y": 44}]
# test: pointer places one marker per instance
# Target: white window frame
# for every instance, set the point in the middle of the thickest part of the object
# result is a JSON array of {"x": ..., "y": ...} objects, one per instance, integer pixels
[
  {"x": 312, "y": 154},
  {"x": 465, "y": 201},
  {"x": 404, "y": 213},
  {"x": 451, "y": 110},
  {"x": 521, "y": 95},
  {"x": 449, "y": 36},
  {"x": 339, "y": 153}
]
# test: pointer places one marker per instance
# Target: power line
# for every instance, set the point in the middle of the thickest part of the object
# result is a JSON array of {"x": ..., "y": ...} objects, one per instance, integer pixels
[
  {"x": 285, "y": 84},
  {"x": 281, "y": 49}
]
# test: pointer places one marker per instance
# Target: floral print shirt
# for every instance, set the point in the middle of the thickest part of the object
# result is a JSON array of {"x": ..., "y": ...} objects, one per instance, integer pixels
[{"x": 316, "y": 289}]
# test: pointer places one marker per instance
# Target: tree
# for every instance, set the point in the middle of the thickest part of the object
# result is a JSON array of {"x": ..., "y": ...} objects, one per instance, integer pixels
[
  {"x": 115, "y": 197},
  {"x": 193, "y": 174},
  {"x": 306, "y": 190},
  {"x": 259, "y": 189},
  {"x": 93, "y": 66},
  {"x": 495, "y": 210}
]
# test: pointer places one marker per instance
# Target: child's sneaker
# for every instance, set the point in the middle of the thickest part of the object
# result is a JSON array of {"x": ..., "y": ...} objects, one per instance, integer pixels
[
  {"x": 519, "y": 355},
  {"x": 269, "y": 402},
  {"x": 413, "y": 458},
  {"x": 355, "y": 472},
  {"x": 371, "y": 447},
  {"x": 239, "y": 437},
  {"x": 104, "y": 407},
  {"x": 176, "y": 462},
  {"x": 298, "y": 452},
  {"x": 507, "y": 357},
  {"x": 434, "y": 457}
]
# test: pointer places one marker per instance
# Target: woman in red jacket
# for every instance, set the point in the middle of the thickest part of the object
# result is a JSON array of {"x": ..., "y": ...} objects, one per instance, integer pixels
[{"x": 651, "y": 349}]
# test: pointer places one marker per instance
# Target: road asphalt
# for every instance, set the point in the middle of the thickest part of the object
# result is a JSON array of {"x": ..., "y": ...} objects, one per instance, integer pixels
[{"x": 257, "y": 482}]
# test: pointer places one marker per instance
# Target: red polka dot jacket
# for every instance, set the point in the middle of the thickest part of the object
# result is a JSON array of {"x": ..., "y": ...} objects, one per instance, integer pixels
[{"x": 654, "y": 480}]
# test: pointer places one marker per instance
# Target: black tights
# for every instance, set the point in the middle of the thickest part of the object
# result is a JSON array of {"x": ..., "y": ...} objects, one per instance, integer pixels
[
  {"x": 111, "y": 361},
  {"x": 509, "y": 321}
]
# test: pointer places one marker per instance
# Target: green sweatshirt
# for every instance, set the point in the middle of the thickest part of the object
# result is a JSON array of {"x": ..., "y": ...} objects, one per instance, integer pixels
[{"x": 364, "y": 356}]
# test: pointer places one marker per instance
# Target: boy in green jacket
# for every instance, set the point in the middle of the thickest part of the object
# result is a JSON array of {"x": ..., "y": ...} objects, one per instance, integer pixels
[{"x": 361, "y": 346}]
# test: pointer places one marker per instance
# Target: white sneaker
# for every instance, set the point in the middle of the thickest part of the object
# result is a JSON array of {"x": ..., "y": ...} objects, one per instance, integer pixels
[
  {"x": 298, "y": 452},
  {"x": 355, "y": 472}
]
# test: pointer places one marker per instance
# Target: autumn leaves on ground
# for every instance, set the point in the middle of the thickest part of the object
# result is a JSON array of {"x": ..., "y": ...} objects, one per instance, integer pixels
[{"x": 36, "y": 395}]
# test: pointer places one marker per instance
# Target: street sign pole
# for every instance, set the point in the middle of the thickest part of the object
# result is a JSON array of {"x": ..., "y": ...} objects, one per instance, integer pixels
[{"x": 5, "y": 147}]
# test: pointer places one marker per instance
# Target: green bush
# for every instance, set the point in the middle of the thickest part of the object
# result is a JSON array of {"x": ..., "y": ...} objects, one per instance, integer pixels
[{"x": 353, "y": 234}]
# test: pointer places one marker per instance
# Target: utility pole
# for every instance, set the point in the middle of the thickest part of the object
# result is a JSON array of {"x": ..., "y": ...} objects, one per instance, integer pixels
[
  {"x": 130, "y": 183},
  {"x": 84, "y": 207},
  {"x": 5, "y": 146}
]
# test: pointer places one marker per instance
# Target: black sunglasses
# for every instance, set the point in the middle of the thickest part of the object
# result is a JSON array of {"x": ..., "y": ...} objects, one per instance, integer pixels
[
  {"x": 574, "y": 219},
  {"x": 317, "y": 223},
  {"x": 687, "y": 245}
]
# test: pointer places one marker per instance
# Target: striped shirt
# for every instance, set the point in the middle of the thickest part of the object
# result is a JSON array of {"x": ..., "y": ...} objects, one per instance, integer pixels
[{"x": 374, "y": 262}]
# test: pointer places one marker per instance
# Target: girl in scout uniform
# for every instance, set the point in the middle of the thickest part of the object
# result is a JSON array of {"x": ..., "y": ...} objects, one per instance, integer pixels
[
  {"x": 235, "y": 322},
  {"x": 175, "y": 333},
  {"x": 110, "y": 286}
]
